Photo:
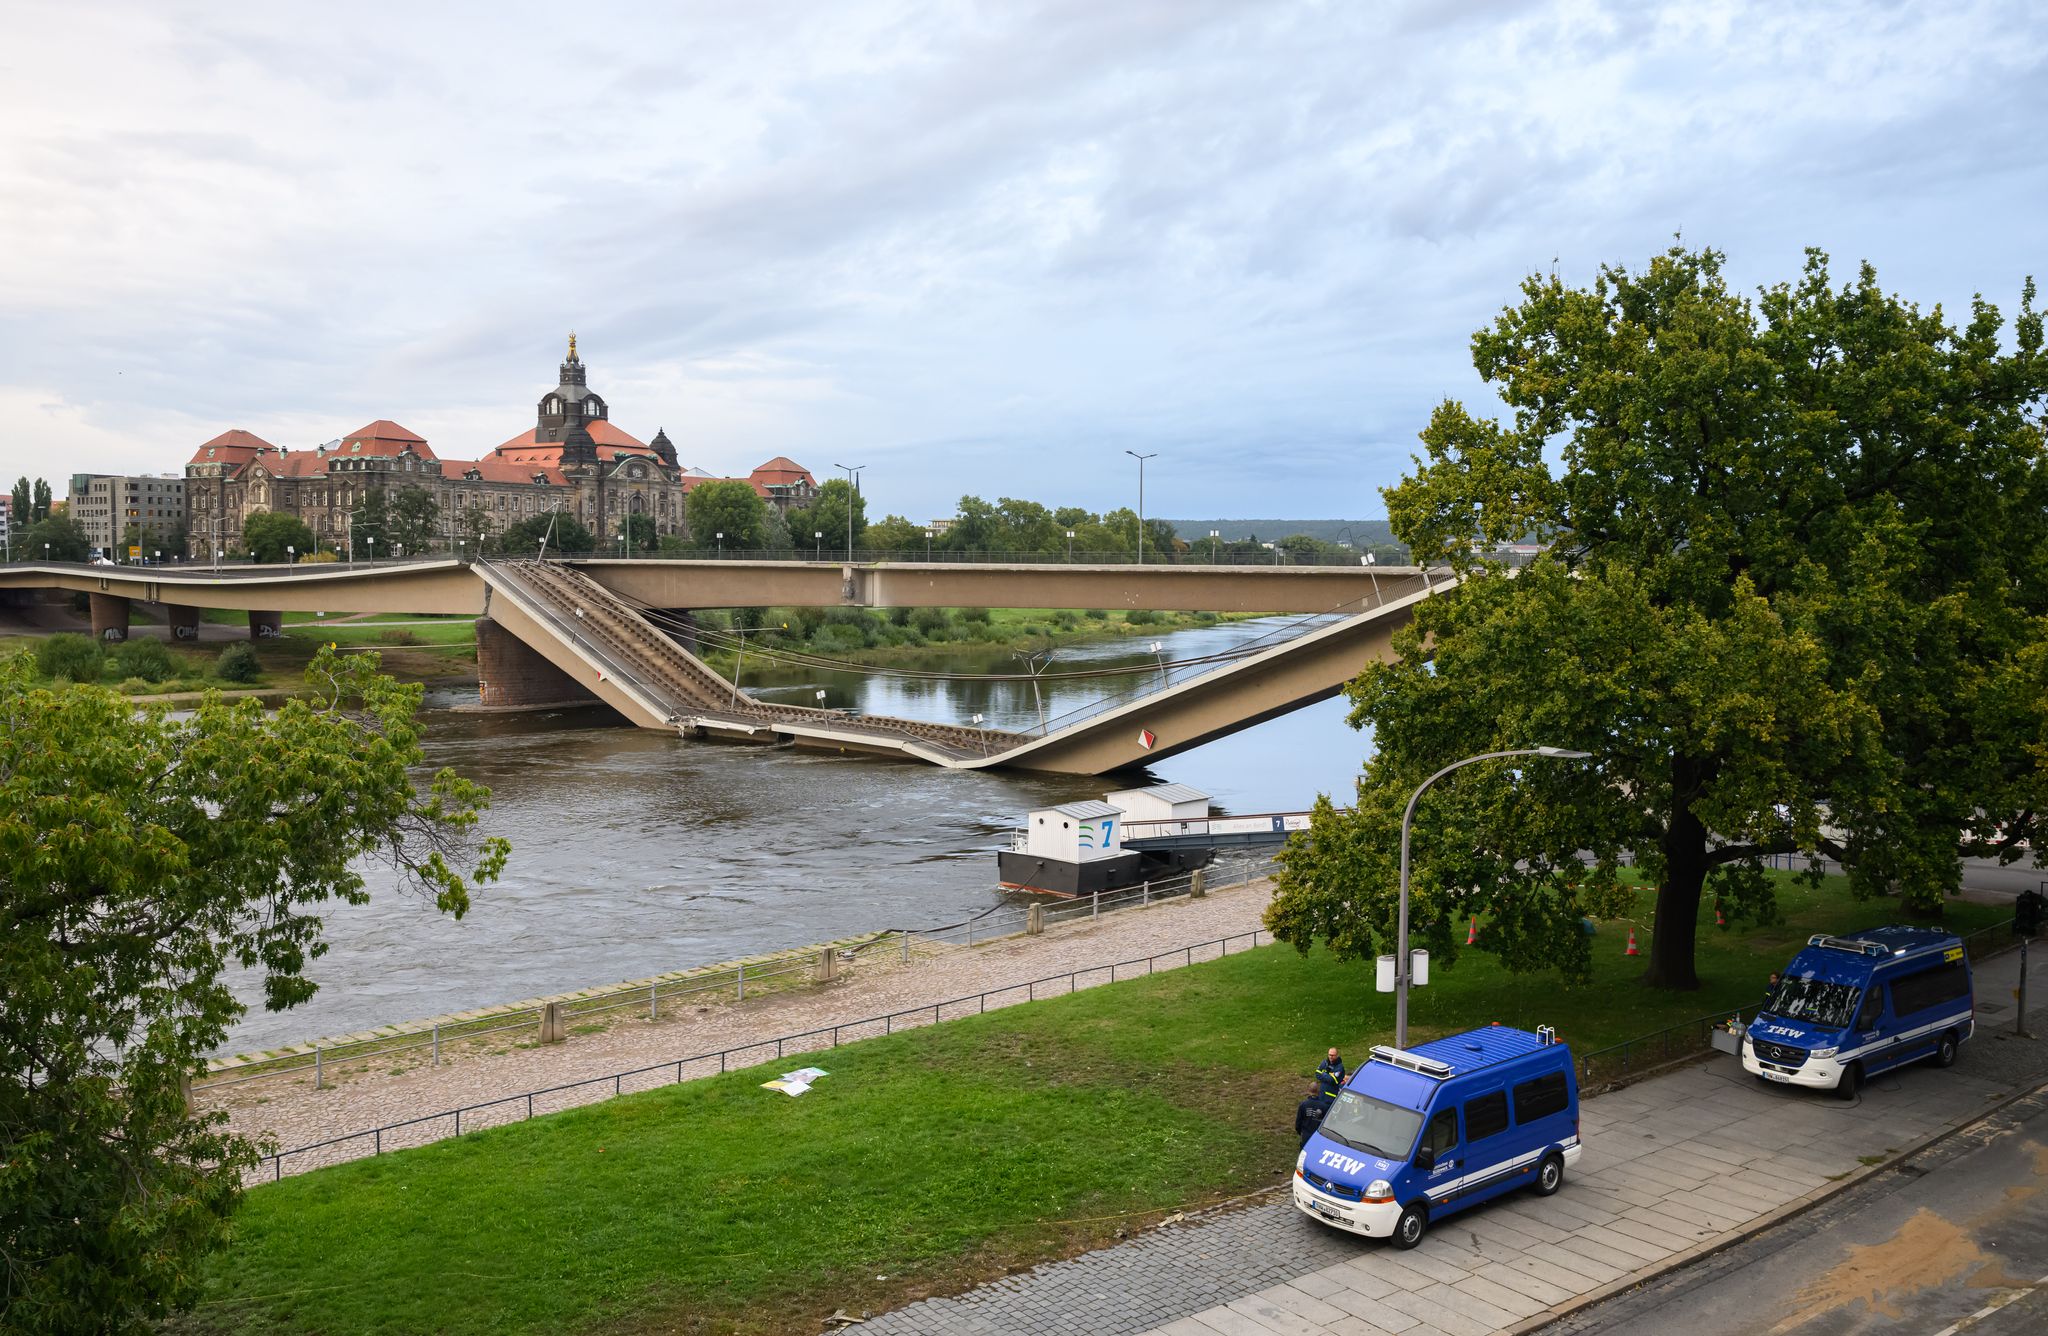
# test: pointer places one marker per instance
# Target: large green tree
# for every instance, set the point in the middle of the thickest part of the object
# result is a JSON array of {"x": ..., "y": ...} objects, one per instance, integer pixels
[
  {"x": 827, "y": 515},
  {"x": 1794, "y": 601},
  {"x": 267, "y": 533},
  {"x": 415, "y": 520},
  {"x": 142, "y": 856},
  {"x": 59, "y": 537},
  {"x": 730, "y": 507}
]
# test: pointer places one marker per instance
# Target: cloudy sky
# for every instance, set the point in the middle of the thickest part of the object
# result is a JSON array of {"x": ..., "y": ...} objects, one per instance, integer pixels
[{"x": 977, "y": 247}]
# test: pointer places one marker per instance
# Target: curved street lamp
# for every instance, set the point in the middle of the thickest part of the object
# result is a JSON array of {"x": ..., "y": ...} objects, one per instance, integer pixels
[{"x": 1403, "y": 967}]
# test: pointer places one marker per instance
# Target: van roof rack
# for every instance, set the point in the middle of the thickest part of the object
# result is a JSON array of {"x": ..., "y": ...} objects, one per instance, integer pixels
[
  {"x": 1856, "y": 944},
  {"x": 1414, "y": 1062}
]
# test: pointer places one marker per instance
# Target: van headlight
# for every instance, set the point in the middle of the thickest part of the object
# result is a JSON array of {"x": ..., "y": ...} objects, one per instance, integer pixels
[
  {"x": 1301, "y": 1160},
  {"x": 1379, "y": 1190},
  {"x": 1822, "y": 1052}
]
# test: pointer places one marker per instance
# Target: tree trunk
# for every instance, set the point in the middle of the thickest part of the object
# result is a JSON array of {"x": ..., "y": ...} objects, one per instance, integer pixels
[{"x": 1675, "y": 936}]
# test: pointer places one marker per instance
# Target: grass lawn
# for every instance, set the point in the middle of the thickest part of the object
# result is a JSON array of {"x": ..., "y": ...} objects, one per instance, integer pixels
[{"x": 924, "y": 1162}]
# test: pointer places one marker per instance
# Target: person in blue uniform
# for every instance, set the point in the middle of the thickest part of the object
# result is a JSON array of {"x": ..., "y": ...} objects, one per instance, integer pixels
[{"x": 1330, "y": 1076}]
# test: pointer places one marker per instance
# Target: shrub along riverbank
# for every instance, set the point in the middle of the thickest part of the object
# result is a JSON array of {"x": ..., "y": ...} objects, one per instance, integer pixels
[
  {"x": 925, "y": 1162},
  {"x": 908, "y": 636}
]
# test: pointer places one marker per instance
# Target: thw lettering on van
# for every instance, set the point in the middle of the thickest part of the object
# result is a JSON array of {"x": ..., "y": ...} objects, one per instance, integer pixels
[{"x": 1333, "y": 1160}]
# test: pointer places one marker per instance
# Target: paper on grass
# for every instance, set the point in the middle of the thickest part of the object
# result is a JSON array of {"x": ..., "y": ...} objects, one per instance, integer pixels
[
  {"x": 787, "y": 1086},
  {"x": 805, "y": 1074}
]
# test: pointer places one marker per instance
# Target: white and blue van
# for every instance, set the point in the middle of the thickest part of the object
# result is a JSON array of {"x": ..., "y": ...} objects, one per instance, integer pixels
[
  {"x": 1850, "y": 1007},
  {"x": 1416, "y": 1134}
]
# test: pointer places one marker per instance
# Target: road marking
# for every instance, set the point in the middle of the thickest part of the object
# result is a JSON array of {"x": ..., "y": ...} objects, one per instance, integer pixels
[{"x": 1987, "y": 1310}]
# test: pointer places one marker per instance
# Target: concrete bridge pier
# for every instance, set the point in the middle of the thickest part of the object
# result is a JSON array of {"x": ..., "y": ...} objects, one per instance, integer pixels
[
  {"x": 184, "y": 622},
  {"x": 265, "y": 625},
  {"x": 109, "y": 616},
  {"x": 512, "y": 676}
]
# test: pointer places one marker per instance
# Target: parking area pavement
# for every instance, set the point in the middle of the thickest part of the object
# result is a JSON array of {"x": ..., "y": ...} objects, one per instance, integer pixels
[{"x": 1671, "y": 1166}]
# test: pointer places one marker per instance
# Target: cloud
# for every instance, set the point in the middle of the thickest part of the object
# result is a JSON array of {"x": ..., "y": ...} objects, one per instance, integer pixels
[{"x": 984, "y": 246}]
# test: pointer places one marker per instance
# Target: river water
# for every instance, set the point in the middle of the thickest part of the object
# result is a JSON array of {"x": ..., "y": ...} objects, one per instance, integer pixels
[{"x": 635, "y": 852}]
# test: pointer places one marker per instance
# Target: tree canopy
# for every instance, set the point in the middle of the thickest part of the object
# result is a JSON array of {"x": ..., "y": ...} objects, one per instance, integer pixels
[
  {"x": 64, "y": 535},
  {"x": 1794, "y": 599},
  {"x": 267, "y": 533},
  {"x": 142, "y": 855},
  {"x": 827, "y": 515},
  {"x": 730, "y": 507}
]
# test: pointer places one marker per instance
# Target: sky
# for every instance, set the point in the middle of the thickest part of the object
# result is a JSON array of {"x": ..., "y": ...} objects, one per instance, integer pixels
[{"x": 981, "y": 248}]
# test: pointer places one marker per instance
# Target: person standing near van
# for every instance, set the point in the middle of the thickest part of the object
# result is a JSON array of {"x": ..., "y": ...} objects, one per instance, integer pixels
[
  {"x": 1330, "y": 1076},
  {"x": 1308, "y": 1115}
]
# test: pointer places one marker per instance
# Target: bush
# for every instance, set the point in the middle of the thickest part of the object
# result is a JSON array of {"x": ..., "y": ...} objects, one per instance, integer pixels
[
  {"x": 1141, "y": 617},
  {"x": 398, "y": 635},
  {"x": 930, "y": 622},
  {"x": 978, "y": 615},
  {"x": 70, "y": 658},
  {"x": 238, "y": 663},
  {"x": 146, "y": 659},
  {"x": 899, "y": 616},
  {"x": 1065, "y": 619},
  {"x": 1096, "y": 615},
  {"x": 839, "y": 639}
]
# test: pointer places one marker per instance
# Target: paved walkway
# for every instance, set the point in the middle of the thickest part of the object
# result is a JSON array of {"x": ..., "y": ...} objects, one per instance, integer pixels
[{"x": 1672, "y": 1165}]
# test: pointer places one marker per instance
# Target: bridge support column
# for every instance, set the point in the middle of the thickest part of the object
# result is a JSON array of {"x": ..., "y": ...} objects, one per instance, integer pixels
[
  {"x": 109, "y": 616},
  {"x": 184, "y": 622},
  {"x": 265, "y": 625},
  {"x": 512, "y": 676}
]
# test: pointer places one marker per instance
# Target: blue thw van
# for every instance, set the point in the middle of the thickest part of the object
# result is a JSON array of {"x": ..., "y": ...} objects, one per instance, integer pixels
[
  {"x": 1850, "y": 1007},
  {"x": 1419, "y": 1133}
]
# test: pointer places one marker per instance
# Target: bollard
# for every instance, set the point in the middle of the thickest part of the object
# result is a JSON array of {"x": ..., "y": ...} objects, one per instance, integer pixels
[
  {"x": 318, "y": 1074},
  {"x": 1198, "y": 884},
  {"x": 1145, "y": 895},
  {"x": 906, "y": 948},
  {"x": 554, "y": 1027},
  {"x": 653, "y": 1002},
  {"x": 1095, "y": 904},
  {"x": 1034, "y": 920},
  {"x": 827, "y": 968},
  {"x": 437, "y": 1045},
  {"x": 740, "y": 978},
  {"x": 2020, "y": 995}
]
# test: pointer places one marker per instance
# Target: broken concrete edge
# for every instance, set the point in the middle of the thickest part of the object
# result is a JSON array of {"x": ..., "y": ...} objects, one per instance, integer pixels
[{"x": 1769, "y": 1220}]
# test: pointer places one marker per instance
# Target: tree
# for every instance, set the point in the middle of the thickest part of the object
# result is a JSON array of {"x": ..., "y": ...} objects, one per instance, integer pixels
[
  {"x": 414, "y": 519},
  {"x": 39, "y": 502},
  {"x": 827, "y": 514},
  {"x": 18, "y": 502},
  {"x": 267, "y": 533},
  {"x": 1794, "y": 599},
  {"x": 562, "y": 531},
  {"x": 141, "y": 857},
  {"x": 473, "y": 528},
  {"x": 728, "y": 507},
  {"x": 369, "y": 525},
  {"x": 893, "y": 534},
  {"x": 65, "y": 537}
]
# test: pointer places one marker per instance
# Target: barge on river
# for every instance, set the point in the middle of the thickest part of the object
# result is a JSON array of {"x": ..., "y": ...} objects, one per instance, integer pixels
[{"x": 1128, "y": 837}]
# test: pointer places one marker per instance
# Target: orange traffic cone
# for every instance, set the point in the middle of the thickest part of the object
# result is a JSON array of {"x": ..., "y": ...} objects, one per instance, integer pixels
[
  {"x": 1472, "y": 933},
  {"x": 1631, "y": 944}
]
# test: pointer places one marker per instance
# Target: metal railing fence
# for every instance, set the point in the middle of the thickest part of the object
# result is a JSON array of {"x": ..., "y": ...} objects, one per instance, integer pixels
[
  {"x": 522, "y": 1106},
  {"x": 654, "y": 997}
]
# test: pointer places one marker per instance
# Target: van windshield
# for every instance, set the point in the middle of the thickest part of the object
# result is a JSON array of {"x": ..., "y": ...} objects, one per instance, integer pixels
[
  {"x": 1373, "y": 1125},
  {"x": 1827, "y": 1005}
]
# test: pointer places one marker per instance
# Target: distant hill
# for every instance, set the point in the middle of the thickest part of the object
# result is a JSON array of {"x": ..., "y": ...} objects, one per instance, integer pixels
[{"x": 1359, "y": 533}]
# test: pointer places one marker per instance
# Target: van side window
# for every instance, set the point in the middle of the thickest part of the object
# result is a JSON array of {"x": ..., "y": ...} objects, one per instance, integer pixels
[
  {"x": 1947, "y": 982},
  {"x": 1873, "y": 1006},
  {"x": 1442, "y": 1135},
  {"x": 1540, "y": 1098},
  {"x": 1486, "y": 1116}
]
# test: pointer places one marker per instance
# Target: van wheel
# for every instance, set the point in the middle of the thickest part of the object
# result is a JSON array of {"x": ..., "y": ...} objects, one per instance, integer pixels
[
  {"x": 1851, "y": 1082},
  {"x": 1412, "y": 1225},
  {"x": 1549, "y": 1175},
  {"x": 1945, "y": 1051}
]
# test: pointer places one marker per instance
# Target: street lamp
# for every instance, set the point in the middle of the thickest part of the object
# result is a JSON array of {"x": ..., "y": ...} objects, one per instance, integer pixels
[
  {"x": 291, "y": 555},
  {"x": 1070, "y": 547},
  {"x": 817, "y": 545},
  {"x": 622, "y": 543},
  {"x": 1159, "y": 653},
  {"x": 852, "y": 489},
  {"x": 1141, "y": 499},
  {"x": 371, "y": 539},
  {"x": 721, "y": 543},
  {"x": 1215, "y": 546},
  {"x": 1403, "y": 967}
]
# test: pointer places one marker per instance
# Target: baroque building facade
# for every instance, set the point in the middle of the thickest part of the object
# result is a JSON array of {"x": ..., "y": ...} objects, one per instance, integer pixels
[{"x": 572, "y": 461}]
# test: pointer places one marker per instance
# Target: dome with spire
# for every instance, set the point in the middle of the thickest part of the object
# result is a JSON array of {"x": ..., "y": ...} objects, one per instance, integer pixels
[
  {"x": 664, "y": 447},
  {"x": 571, "y": 403}
]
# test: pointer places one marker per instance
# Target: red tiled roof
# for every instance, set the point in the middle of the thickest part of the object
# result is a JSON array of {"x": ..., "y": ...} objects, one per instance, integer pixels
[
  {"x": 783, "y": 471},
  {"x": 491, "y": 468},
  {"x": 384, "y": 437},
  {"x": 234, "y": 447},
  {"x": 297, "y": 464},
  {"x": 601, "y": 431}
]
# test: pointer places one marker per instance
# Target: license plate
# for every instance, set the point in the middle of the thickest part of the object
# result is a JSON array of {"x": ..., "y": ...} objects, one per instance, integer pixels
[
  {"x": 1325, "y": 1212},
  {"x": 1776, "y": 1076}
]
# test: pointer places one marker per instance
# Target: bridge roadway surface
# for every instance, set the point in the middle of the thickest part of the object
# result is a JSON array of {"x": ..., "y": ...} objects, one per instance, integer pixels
[
  {"x": 586, "y": 620},
  {"x": 1676, "y": 1168}
]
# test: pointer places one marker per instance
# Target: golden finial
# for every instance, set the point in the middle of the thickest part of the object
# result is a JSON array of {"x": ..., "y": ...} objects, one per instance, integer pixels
[{"x": 572, "y": 345}]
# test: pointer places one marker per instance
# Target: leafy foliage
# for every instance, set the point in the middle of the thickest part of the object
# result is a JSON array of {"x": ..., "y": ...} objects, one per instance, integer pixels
[
  {"x": 1795, "y": 600},
  {"x": 238, "y": 663},
  {"x": 140, "y": 857},
  {"x": 268, "y": 533},
  {"x": 65, "y": 657},
  {"x": 563, "y": 532},
  {"x": 59, "y": 537},
  {"x": 144, "y": 658},
  {"x": 728, "y": 507},
  {"x": 414, "y": 520}
]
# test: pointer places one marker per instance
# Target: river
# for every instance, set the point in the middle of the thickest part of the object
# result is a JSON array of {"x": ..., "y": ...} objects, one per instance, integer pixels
[{"x": 634, "y": 852}]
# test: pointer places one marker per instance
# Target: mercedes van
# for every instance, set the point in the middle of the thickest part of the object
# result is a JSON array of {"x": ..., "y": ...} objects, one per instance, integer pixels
[
  {"x": 1847, "y": 1008},
  {"x": 1419, "y": 1133}
]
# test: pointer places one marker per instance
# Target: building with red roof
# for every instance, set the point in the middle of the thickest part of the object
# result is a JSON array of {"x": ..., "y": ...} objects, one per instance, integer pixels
[{"x": 573, "y": 460}]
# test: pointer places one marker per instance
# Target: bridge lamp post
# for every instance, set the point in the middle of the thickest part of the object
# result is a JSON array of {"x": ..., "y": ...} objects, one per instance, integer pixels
[
  {"x": 853, "y": 472},
  {"x": 1215, "y": 547},
  {"x": 622, "y": 542},
  {"x": 817, "y": 545},
  {"x": 1404, "y": 968},
  {"x": 1159, "y": 653},
  {"x": 721, "y": 544},
  {"x": 371, "y": 539},
  {"x": 1070, "y": 547},
  {"x": 1141, "y": 499},
  {"x": 291, "y": 555}
]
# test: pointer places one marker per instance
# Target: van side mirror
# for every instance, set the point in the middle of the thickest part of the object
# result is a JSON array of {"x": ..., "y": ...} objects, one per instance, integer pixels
[{"x": 1425, "y": 1158}]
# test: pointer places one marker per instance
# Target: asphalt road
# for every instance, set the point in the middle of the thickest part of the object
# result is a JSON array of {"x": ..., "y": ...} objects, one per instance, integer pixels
[{"x": 1937, "y": 1241}]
